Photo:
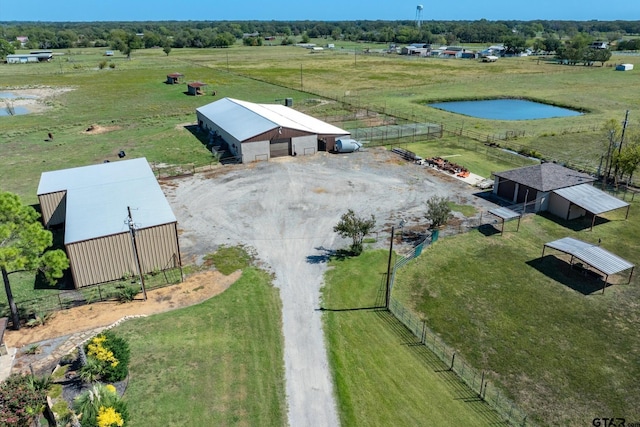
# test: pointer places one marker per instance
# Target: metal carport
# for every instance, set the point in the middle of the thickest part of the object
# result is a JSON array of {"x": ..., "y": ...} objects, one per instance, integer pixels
[
  {"x": 593, "y": 255},
  {"x": 506, "y": 214},
  {"x": 591, "y": 200}
]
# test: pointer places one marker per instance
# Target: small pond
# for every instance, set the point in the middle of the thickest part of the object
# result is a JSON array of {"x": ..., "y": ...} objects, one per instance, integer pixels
[
  {"x": 17, "y": 111},
  {"x": 6, "y": 100},
  {"x": 505, "y": 109}
]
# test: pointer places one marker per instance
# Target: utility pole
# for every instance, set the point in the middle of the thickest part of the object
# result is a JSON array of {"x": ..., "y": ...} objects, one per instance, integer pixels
[
  {"x": 624, "y": 128},
  {"x": 132, "y": 231},
  {"x": 387, "y": 298},
  {"x": 301, "y": 85}
]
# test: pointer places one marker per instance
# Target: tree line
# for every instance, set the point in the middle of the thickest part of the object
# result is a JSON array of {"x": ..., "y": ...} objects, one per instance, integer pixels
[{"x": 203, "y": 34}]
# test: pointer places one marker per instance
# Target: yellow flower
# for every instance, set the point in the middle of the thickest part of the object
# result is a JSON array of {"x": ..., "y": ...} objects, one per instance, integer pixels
[
  {"x": 108, "y": 417},
  {"x": 111, "y": 388},
  {"x": 97, "y": 350}
]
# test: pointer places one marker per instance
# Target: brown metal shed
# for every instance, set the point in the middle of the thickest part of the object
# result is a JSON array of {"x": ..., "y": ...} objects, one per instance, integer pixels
[{"x": 94, "y": 202}]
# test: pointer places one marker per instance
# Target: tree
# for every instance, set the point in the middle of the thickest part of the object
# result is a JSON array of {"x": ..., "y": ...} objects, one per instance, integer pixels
[
  {"x": 23, "y": 242},
  {"x": 628, "y": 159},
  {"x": 438, "y": 211},
  {"x": 354, "y": 227},
  {"x": 167, "y": 47},
  {"x": 6, "y": 48},
  {"x": 514, "y": 44}
]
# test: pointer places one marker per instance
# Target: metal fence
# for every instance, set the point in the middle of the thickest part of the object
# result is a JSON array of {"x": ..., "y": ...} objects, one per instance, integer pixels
[
  {"x": 476, "y": 380},
  {"x": 58, "y": 300}
]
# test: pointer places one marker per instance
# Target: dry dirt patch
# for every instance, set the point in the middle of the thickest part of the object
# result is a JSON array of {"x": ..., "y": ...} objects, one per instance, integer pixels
[
  {"x": 195, "y": 289},
  {"x": 35, "y": 99}
]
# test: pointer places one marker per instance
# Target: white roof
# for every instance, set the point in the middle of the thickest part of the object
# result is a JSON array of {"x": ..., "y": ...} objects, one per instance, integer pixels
[
  {"x": 597, "y": 257},
  {"x": 98, "y": 197},
  {"x": 244, "y": 120},
  {"x": 591, "y": 199}
]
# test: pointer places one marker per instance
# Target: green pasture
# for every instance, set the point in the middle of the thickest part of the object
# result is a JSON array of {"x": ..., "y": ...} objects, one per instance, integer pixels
[
  {"x": 146, "y": 117},
  {"x": 382, "y": 375},
  {"x": 544, "y": 332},
  {"x": 217, "y": 363}
]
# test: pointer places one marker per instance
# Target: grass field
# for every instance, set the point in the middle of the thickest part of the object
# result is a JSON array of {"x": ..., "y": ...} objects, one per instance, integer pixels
[
  {"x": 217, "y": 363},
  {"x": 565, "y": 352},
  {"x": 562, "y": 355},
  {"x": 382, "y": 376}
]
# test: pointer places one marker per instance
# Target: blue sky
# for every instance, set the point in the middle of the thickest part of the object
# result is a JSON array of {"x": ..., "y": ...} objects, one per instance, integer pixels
[{"x": 328, "y": 10}]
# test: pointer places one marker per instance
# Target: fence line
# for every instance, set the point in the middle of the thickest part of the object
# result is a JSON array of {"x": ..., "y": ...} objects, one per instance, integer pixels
[
  {"x": 476, "y": 380},
  {"x": 65, "y": 299}
]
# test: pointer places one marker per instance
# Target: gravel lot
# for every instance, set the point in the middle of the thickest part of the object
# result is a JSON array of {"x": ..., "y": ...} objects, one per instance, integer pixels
[{"x": 285, "y": 210}]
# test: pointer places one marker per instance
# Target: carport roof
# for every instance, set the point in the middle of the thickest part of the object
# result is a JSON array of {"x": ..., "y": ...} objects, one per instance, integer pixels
[
  {"x": 244, "y": 120},
  {"x": 545, "y": 176},
  {"x": 593, "y": 255},
  {"x": 98, "y": 197},
  {"x": 591, "y": 199}
]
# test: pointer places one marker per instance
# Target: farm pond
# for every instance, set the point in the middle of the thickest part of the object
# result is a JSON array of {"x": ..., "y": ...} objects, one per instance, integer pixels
[{"x": 505, "y": 109}]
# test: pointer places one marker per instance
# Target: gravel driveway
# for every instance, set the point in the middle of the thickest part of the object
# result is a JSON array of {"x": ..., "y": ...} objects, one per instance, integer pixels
[{"x": 285, "y": 209}]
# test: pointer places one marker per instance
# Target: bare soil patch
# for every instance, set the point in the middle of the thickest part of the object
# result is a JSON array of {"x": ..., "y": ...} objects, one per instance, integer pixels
[
  {"x": 97, "y": 129},
  {"x": 195, "y": 289},
  {"x": 35, "y": 99}
]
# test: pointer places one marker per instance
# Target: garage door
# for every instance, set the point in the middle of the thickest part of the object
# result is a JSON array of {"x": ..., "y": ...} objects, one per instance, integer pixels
[{"x": 280, "y": 148}]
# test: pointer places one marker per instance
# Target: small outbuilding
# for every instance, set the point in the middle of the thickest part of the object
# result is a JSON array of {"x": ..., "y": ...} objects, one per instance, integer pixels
[
  {"x": 624, "y": 67},
  {"x": 196, "y": 88},
  {"x": 174, "y": 78},
  {"x": 253, "y": 132},
  {"x": 93, "y": 203},
  {"x": 564, "y": 192}
]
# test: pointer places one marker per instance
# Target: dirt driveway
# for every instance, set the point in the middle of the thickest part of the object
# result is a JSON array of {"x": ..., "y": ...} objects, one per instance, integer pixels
[{"x": 285, "y": 209}]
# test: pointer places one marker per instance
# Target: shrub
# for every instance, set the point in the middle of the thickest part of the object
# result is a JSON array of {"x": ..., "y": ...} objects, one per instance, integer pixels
[
  {"x": 111, "y": 353},
  {"x": 438, "y": 211},
  {"x": 102, "y": 64},
  {"x": 99, "y": 405},
  {"x": 21, "y": 400},
  {"x": 112, "y": 65},
  {"x": 127, "y": 293}
]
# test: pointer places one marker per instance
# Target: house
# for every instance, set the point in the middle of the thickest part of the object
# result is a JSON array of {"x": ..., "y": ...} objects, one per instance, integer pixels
[
  {"x": 599, "y": 45},
  {"x": 93, "y": 203},
  {"x": 195, "y": 88},
  {"x": 253, "y": 132},
  {"x": 415, "y": 51},
  {"x": 23, "y": 40},
  {"x": 550, "y": 187}
]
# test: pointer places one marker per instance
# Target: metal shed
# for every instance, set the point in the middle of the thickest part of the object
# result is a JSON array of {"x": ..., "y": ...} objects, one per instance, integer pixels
[
  {"x": 255, "y": 132},
  {"x": 593, "y": 255},
  {"x": 93, "y": 203}
]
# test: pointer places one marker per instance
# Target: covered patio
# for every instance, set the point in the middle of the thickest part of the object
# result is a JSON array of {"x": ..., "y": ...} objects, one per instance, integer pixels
[{"x": 593, "y": 255}]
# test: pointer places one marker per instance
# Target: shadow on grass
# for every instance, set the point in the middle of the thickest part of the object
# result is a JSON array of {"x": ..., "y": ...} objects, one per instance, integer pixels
[
  {"x": 561, "y": 271},
  {"x": 427, "y": 358},
  {"x": 489, "y": 229},
  {"x": 578, "y": 224}
]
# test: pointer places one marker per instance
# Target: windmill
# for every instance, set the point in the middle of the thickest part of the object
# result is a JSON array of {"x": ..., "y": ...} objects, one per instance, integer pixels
[{"x": 419, "y": 9}]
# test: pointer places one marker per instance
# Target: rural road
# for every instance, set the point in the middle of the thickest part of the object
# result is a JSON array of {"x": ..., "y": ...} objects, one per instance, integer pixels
[{"x": 285, "y": 209}]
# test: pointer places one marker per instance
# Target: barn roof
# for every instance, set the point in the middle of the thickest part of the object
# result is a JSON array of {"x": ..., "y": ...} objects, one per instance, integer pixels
[
  {"x": 98, "y": 196},
  {"x": 244, "y": 120},
  {"x": 545, "y": 176},
  {"x": 591, "y": 199}
]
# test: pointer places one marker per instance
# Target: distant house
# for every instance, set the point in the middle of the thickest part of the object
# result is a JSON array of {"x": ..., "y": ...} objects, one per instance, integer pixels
[
  {"x": 415, "y": 51},
  {"x": 23, "y": 40},
  {"x": 247, "y": 35},
  {"x": 174, "y": 78},
  {"x": 196, "y": 88},
  {"x": 108, "y": 53},
  {"x": 599, "y": 45}
]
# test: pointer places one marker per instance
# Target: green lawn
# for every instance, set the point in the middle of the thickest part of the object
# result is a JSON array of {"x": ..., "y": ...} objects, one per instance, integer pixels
[
  {"x": 565, "y": 352},
  {"x": 216, "y": 363},
  {"x": 382, "y": 375}
]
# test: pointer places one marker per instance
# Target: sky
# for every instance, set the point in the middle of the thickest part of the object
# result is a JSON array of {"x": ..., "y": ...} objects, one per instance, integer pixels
[{"x": 327, "y": 10}]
